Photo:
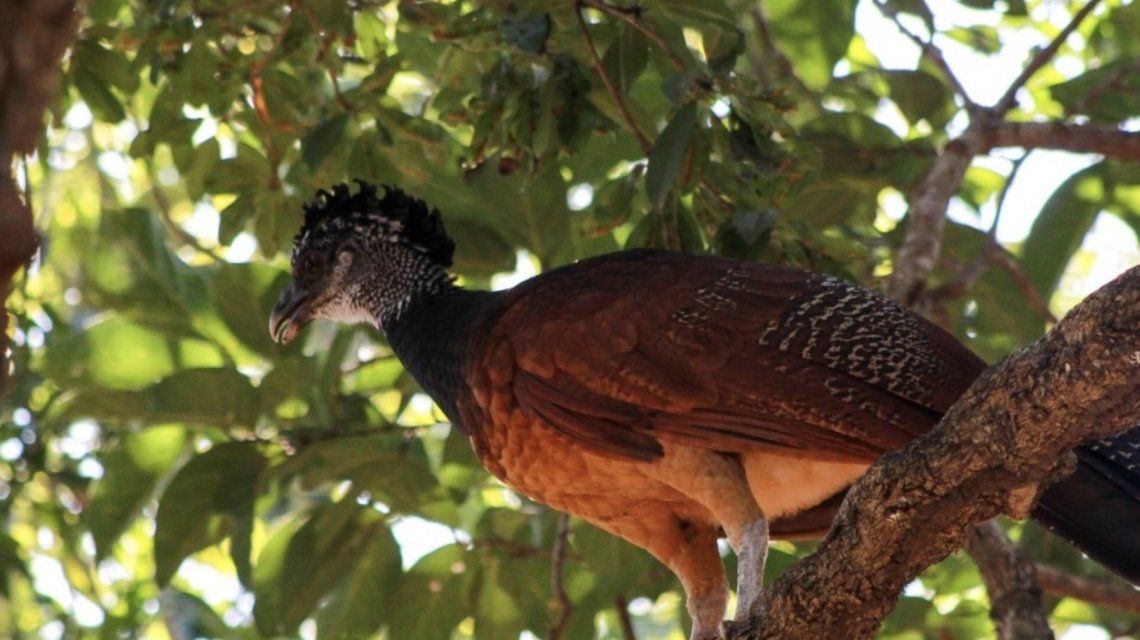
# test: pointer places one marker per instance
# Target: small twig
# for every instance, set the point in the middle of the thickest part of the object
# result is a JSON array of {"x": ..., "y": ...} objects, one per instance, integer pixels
[
  {"x": 1009, "y": 98},
  {"x": 929, "y": 51},
  {"x": 642, "y": 141},
  {"x": 624, "y": 621},
  {"x": 1015, "y": 597},
  {"x": 630, "y": 17},
  {"x": 1097, "y": 591},
  {"x": 509, "y": 547},
  {"x": 558, "y": 560},
  {"x": 261, "y": 106},
  {"x": 326, "y": 43}
]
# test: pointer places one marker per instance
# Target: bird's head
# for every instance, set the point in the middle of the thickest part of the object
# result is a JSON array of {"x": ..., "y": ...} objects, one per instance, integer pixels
[{"x": 362, "y": 257}]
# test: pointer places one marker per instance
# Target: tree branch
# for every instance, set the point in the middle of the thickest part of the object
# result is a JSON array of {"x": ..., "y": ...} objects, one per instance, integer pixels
[
  {"x": 627, "y": 632},
  {"x": 1009, "y": 98},
  {"x": 1015, "y": 598},
  {"x": 33, "y": 38},
  {"x": 1095, "y": 591},
  {"x": 562, "y": 602},
  {"x": 930, "y": 198},
  {"x": 1007, "y": 436},
  {"x": 929, "y": 51},
  {"x": 1065, "y": 136},
  {"x": 927, "y": 217}
]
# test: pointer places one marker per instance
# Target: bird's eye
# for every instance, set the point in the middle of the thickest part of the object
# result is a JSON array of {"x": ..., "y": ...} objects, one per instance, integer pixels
[{"x": 308, "y": 264}]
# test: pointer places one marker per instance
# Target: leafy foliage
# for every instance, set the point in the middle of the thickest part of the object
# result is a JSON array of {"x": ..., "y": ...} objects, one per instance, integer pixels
[{"x": 164, "y": 456}]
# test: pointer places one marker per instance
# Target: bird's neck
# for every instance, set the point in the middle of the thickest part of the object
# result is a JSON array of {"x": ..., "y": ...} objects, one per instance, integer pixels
[
  {"x": 409, "y": 279},
  {"x": 432, "y": 338}
]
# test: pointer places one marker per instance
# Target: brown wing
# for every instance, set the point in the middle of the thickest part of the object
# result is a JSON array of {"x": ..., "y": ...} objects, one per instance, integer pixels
[{"x": 627, "y": 350}]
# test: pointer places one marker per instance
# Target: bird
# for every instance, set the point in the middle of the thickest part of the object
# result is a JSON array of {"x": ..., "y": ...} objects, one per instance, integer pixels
[{"x": 667, "y": 398}]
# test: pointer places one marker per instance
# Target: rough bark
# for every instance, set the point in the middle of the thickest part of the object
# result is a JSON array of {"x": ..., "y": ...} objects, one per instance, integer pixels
[
  {"x": 33, "y": 37},
  {"x": 1012, "y": 431}
]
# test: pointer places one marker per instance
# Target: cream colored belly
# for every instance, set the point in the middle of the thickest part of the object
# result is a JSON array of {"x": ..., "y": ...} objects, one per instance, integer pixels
[{"x": 784, "y": 485}]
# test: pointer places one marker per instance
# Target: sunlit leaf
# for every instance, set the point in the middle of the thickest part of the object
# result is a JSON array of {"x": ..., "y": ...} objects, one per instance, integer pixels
[
  {"x": 131, "y": 471},
  {"x": 209, "y": 498}
]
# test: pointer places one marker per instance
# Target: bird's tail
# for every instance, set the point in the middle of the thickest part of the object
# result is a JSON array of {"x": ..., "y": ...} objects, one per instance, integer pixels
[{"x": 1097, "y": 508}]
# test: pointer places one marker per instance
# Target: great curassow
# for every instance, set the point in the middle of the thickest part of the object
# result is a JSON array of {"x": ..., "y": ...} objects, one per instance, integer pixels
[{"x": 667, "y": 397}]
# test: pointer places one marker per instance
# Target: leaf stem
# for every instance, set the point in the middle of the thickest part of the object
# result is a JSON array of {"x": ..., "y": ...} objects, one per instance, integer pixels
[
  {"x": 630, "y": 16},
  {"x": 642, "y": 141}
]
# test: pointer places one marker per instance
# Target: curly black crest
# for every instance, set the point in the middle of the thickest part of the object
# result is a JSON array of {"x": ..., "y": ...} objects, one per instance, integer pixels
[{"x": 397, "y": 216}]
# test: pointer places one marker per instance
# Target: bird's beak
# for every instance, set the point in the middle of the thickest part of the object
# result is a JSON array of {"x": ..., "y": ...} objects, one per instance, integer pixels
[{"x": 291, "y": 313}]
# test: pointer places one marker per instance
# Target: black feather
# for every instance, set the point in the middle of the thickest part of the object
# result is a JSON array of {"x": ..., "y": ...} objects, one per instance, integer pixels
[{"x": 420, "y": 227}]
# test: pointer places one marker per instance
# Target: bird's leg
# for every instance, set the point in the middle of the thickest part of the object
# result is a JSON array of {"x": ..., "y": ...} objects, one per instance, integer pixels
[
  {"x": 688, "y": 548},
  {"x": 718, "y": 483},
  {"x": 751, "y": 549}
]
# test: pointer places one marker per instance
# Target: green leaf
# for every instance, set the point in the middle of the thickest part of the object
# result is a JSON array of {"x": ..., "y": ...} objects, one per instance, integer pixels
[
  {"x": 982, "y": 38},
  {"x": 626, "y": 58},
  {"x": 300, "y": 565},
  {"x": 392, "y": 467},
  {"x": 114, "y": 354},
  {"x": 480, "y": 250},
  {"x": 813, "y": 33},
  {"x": 110, "y": 66},
  {"x": 196, "y": 78},
  {"x": 188, "y": 616},
  {"x": 612, "y": 205},
  {"x": 244, "y": 295},
  {"x": 206, "y": 396},
  {"x": 12, "y": 560},
  {"x": 434, "y": 596},
  {"x": 921, "y": 96},
  {"x": 1109, "y": 93},
  {"x": 98, "y": 96},
  {"x": 209, "y": 498},
  {"x": 355, "y": 608},
  {"x": 323, "y": 140},
  {"x": 669, "y": 153},
  {"x": 131, "y": 471},
  {"x": 1059, "y": 229}
]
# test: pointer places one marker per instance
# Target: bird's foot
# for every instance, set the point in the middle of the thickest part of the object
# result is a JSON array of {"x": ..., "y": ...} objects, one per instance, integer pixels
[{"x": 733, "y": 630}]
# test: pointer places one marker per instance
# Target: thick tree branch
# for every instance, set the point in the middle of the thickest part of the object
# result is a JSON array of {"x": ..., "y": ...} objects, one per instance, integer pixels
[
  {"x": 33, "y": 36},
  {"x": 1078, "y": 138},
  {"x": 927, "y": 217},
  {"x": 930, "y": 198},
  {"x": 1008, "y": 435}
]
